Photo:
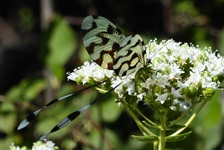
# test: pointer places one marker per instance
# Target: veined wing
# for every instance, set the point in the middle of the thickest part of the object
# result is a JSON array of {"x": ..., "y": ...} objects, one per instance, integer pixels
[
  {"x": 131, "y": 57},
  {"x": 101, "y": 39},
  {"x": 109, "y": 48}
]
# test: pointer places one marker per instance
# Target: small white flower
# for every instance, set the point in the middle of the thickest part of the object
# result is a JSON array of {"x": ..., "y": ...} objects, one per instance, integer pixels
[
  {"x": 13, "y": 147},
  {"x": 47, "y": 145},
  {"x": 121, "y": 83},
  {"x": 39, "y": 145},
  {"x": 175, "y": 71},
  {"x": 162, "y": 80},
  {"x": 161, "y": 97},
  {"x": 141, "y": 96},
  {"x": 194, "y": 79},
  {"x": 89, "y": 71},
  {"x": 176, "y": 93}
]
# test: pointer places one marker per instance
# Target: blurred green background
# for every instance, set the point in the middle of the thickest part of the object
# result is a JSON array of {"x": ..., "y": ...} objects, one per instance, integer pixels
[{"x": 40, "y": 41}]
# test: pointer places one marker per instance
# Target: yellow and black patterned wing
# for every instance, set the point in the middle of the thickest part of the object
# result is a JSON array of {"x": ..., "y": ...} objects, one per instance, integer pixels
[
  {"x": 131, "y": 56},
  {"x": 101, "y": 39},
  {"x": 109, "y": 48}
]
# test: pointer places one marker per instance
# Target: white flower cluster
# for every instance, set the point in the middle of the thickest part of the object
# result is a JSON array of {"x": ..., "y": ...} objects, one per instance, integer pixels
[
  {"x": 39, "y": 145},
  {"x": 88, "y": 72},
  {"x": 183, "y": 73},
  {"x": 178, "y": 75},
  {"x": 170, "y": 56}
]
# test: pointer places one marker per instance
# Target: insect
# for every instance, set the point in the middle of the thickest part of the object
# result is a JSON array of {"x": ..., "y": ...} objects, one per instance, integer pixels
[{"x": 110, "y": 49}]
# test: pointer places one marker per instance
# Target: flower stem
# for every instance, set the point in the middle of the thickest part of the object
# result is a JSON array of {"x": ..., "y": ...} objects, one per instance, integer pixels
[
  {"x": 138, "y": 122},
  {"x": 148, "y": 120},
  {"x": 155, "y": 145},
  {"x": 162, "y": 140}
]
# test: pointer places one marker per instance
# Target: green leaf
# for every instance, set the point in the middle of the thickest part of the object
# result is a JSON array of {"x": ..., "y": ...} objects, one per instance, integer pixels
[
  {"x": 148, "y": 138},
  {"x": 27, "y": 90},
  {"x": 111, "y": 110},
  {"x": 108, "y": 111},
  {"x": 58, "y": 44},
  {"x": 83, "y": 54},
  {"x": 9, "y": 122},
  {"x": 95, "y": 139},
  {"x": 153, "y": 128},
  {"x": 175, "y": 127},
  {"x": 178, "y": 137},
  {"x": 221, "y": 42},
  {"x": 208, "y": 123},
  {"x": 62, "y": 43}
]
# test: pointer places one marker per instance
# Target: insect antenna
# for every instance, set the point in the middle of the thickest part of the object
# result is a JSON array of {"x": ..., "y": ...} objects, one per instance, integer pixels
[
  {"x": 75, "y": 114},
  {"x": 32, "y": 116}
]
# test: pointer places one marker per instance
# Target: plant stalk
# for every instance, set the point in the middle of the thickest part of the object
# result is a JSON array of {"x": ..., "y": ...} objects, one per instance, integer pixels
[{"x": 162, "y": 136}]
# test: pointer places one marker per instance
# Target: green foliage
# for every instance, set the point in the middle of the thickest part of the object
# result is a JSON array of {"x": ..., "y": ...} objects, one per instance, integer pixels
[
  {"x": 26, "y": 17},
  {"x": 104, "y": 126},
  {"x": 58, "y": 44},
  {"x": 211, "y": 116},
  {"x": 221, "y": 43}
]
